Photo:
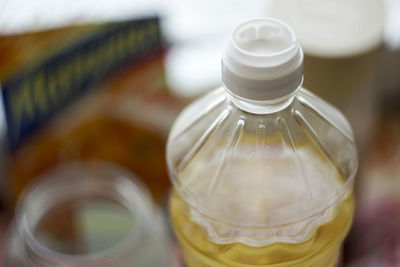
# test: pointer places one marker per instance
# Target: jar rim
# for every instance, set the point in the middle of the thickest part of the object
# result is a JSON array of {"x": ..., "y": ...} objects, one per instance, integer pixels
[{"x": 74, "y": 180}]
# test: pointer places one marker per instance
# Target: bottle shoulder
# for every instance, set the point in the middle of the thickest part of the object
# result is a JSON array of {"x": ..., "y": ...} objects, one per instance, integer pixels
[
  {"x": 262, "y": 169},
  {"x": 306, "y": 119}
]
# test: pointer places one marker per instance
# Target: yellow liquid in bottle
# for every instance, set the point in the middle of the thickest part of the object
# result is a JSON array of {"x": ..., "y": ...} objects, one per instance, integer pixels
[{"x": 322, "y": 249}]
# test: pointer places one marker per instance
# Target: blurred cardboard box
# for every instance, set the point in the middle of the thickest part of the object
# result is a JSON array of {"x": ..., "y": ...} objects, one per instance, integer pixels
[{"x": 91, "y": 92}]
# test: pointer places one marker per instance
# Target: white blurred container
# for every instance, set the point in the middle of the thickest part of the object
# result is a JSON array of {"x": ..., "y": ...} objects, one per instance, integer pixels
[{"x": 341, "y": 41}]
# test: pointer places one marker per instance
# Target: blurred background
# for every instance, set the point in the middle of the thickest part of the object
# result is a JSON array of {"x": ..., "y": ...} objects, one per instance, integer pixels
[{"x": 104, "y": 80}]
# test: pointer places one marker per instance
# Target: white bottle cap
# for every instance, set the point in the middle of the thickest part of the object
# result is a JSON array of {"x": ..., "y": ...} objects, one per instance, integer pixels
[{"x": 262, "y": 61}]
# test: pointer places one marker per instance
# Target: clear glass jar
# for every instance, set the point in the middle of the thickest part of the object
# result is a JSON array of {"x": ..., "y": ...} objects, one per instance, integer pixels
[{"x": 87, "y": 214}]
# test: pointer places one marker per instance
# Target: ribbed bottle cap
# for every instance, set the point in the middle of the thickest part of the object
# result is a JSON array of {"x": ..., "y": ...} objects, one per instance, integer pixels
[{"x": 262, "y": 61}]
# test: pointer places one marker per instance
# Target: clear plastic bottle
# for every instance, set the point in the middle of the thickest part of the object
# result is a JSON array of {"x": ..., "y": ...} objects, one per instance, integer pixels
[{"x": 262, "y": 168}]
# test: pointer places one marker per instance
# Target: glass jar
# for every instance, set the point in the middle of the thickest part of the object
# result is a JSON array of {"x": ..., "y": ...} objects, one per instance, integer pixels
[{"x": 87, "y": 214}]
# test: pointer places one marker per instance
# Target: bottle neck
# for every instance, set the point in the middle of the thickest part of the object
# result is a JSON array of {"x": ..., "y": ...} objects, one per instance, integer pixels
[{"x": 261, "y": 107}]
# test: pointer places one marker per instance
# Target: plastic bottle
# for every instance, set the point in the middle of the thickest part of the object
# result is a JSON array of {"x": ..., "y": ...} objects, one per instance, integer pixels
[{"x": 262, "y": 168}]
